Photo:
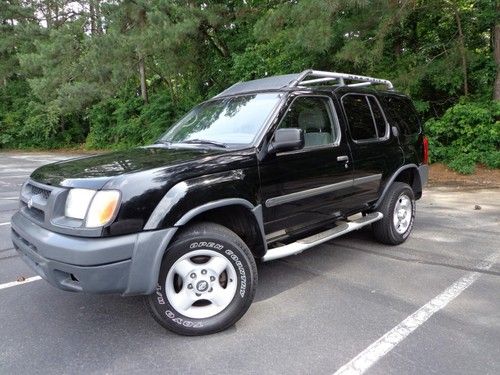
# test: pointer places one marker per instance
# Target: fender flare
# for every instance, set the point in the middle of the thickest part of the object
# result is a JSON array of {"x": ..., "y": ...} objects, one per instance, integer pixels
[
  {"x": 180, "y": 190},
  {"x": 255, "y": 210},
  {"x": 147, "y": 268},
  {"x": 210, "y": 206},
  {"x": 393, "y": 178}
]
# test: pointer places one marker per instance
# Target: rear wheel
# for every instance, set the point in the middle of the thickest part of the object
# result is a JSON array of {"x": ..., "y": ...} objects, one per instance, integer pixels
[
  {"x": 398, "y": 208},
  {"x": 207, "y": 281}
]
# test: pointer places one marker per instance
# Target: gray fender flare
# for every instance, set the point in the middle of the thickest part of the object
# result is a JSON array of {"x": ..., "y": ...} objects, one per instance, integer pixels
[{"x": 152, "y": 245}]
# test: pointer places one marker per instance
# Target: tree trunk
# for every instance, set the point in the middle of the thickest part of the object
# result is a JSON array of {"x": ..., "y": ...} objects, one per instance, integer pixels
[
  {"x": 218, "y": 44},
  {"x": 97, "y": 9},
  {"x": 463, "y": 54},
  {"x": 142, "y": 67},
  {"x": 395, "y": 10},
  {"x": 142, "y": 75},
  {"x": 496, "y": 52},
  {"x": 93, "y": 20}
]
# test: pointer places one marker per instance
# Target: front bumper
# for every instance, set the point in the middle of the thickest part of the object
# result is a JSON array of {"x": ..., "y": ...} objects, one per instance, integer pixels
[{"x": 128, "y": 264}]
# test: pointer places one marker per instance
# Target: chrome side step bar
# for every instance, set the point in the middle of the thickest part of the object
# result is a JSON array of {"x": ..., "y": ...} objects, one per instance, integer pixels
[{"x": 316, "y": 239}]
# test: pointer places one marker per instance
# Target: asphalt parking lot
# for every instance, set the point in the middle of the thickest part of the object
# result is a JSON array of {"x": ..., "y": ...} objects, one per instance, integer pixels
[{"x": 431, "y": 305}]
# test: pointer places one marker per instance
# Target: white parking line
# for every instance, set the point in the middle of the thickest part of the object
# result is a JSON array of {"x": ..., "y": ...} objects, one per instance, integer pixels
[
  {"x": 16, "y": 283},
  {"x": 368, "y": 357},
  {"x": 16, "y": 170},
  {"x": 17, "y": 176},
  {"x": 7, "y": 223}
]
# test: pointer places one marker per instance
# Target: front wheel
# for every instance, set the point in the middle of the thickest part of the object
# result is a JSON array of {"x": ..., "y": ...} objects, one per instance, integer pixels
[
  {"x": 398, "y": 208},
  {"x": 207, "y": 281}
]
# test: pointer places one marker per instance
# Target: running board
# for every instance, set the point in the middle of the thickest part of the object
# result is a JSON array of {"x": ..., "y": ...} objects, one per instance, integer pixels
[{"x": 316, "y": 239}]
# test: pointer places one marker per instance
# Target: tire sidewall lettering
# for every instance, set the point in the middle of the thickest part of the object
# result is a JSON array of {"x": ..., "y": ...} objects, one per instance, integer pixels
[
  {"x": 205, "y": 245},
  {"x": 240, "y": 265},
  {"x": 171, "y": 314},
  {"x": 241, "y": 271}
]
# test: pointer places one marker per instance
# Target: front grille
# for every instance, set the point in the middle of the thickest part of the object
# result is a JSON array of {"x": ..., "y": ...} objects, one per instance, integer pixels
[
  {"x": 35, "y": 199},
  {"x": 35, "y": 190},
  {"x": 34, "y": 212},
  {"x": 44, "y": 205}
]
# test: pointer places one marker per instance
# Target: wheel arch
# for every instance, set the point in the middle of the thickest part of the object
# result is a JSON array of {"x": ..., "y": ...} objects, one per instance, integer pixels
[
  {"x": 408, "y": 174},
  {"x": 238, "y": 215}
]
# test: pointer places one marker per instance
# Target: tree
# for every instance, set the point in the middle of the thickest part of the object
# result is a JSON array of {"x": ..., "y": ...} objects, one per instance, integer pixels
[
  {"x": 496, "y": 52},
  {"x": 122, "y": 71}
]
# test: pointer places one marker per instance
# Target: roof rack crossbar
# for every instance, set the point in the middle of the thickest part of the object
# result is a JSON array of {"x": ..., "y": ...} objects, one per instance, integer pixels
[
  {"x": 321, "y": 76},
  {"x": 361, "y": 84},
  {"x": 317, "y": 80}
]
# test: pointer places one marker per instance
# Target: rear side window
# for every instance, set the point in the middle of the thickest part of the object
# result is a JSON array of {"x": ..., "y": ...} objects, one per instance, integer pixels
[
  {"x": 380, "y": 122},
  {"x": 365, "y": 117},
  {"x": 359, "y": 117},
  {"x": 404, "y": 114}
]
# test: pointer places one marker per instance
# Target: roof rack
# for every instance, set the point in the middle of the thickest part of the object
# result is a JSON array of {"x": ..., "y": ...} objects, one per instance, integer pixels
[{"x": 318, "y": 76}]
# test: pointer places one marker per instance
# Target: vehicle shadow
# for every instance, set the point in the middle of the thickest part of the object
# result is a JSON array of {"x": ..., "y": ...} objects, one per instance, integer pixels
[
  {"x": 280, "y": 275},
  {"x": 91, "y": 333}
]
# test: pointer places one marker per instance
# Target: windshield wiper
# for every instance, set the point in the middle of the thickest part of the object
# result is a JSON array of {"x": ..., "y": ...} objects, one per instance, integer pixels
[
  {"x": 206, "y": 142},
  {"x": 162, "y": 142}
]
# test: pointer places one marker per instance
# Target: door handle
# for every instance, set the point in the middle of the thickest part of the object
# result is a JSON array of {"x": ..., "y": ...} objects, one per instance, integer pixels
[{"x": 343, "y": 158}]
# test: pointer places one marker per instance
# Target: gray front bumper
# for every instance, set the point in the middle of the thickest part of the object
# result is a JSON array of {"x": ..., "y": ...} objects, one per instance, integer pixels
[{"x": 127, "y": 264}]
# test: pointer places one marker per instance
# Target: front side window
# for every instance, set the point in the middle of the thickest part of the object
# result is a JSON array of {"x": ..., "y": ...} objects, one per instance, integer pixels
[
  {"x": 228, "y": 121},
  {"x": 312, "y": 115},
  {"x": 365, "y": 118}
]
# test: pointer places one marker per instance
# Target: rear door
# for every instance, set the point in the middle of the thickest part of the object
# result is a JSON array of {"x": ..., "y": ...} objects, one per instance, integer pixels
[
  {"x": 376, "y": 152},
  {"x": 403, "y": 114},
  {"x": 305, "y": 187}
]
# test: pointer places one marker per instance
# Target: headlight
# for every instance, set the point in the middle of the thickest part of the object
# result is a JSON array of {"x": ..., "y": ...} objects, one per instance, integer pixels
[
  {"x": 78, "y": 202},
  {"x": 96, "y": 208},
  {"x": 102, "y": 208}
]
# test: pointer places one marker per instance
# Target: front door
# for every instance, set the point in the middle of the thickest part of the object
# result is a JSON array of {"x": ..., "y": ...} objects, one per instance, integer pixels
[{"x": 303, "y": 188}]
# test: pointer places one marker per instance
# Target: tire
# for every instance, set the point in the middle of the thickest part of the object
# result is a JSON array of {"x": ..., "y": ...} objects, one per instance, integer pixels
[
  {"x": 395, "y": 227},
  {"x": 207, "y": 281}
]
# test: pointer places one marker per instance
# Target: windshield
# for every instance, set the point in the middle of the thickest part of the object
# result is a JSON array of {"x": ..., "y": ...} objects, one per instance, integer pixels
[{"x": 234, "y": 120}]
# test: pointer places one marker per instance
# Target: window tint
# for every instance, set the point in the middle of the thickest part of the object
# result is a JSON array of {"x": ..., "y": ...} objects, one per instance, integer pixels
[
  {"x": 311, "y": 114},
  {"x": 404, "y": 114},
  {"x": 378, "y": 116},
  {"x": 233, "y": 120},
  {"x": 359, "y": 117}
]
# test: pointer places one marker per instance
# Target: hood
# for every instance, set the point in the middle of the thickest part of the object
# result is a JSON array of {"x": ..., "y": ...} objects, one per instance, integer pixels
[{"x": 95, "y": 171}]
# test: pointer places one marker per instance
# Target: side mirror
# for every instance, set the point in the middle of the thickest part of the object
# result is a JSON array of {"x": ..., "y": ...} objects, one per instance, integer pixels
[{"x": 287, "y": 140}]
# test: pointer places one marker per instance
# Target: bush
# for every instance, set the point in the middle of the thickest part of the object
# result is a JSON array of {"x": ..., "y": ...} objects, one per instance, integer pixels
[
  {"x": 27, "y": 123},
  {"x": 121, "y": 123},
  {"x": 467, "y": 134}
]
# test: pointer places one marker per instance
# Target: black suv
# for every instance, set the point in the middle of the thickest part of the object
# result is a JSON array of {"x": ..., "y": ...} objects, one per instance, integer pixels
[{"x": 264, "y": 170}]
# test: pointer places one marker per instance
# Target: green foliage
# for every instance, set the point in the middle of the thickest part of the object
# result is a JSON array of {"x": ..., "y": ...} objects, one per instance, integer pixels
[
  {"x": 116, "y": 74},
  {"x": 123, "y": 123},
  {"x": 465, "y": 135}
]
